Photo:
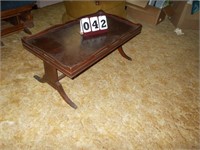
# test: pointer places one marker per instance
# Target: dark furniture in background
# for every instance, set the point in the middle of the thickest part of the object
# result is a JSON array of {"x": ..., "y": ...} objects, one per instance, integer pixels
[
  {"x": 16, "y": 16},
  {"x": 63, "y": 49}
]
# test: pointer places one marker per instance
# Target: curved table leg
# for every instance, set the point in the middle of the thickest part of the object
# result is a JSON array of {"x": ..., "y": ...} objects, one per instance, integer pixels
[
  {"x": 121, "y": 51},
  {"x": 2, "y": 44},
  {"x": 64, "y": 96},
  {"x": 41, "y": 80},
  {"x": 51, "y": 77},
  {"x": 26, "y": 30}
]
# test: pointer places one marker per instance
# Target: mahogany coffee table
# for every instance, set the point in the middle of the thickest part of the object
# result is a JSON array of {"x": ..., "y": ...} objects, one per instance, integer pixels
[{"x": 63, "y": 49}]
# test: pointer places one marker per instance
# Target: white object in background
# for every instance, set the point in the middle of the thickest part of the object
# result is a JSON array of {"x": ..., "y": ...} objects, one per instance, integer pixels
[
  {"x": 178, "y": 31},
  {"x": 43, "y": 3},
  {"x": 160, "y": 4},
  {"x": 152, "y": 2},
  {"x": 189, "y": 2}
]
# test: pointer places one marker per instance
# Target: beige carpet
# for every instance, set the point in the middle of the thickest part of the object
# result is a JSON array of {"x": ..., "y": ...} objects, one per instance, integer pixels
[{"x": 151, "y": 102}]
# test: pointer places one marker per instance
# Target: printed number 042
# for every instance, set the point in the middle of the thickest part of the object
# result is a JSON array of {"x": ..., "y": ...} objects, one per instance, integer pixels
[{"x": 93, "y": 24}]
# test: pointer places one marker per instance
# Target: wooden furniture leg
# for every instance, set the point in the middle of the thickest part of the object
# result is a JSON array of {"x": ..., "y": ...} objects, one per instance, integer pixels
[
  {"x": 121, "y": 51},
  {"x": 51, "y": 77},
  {"x": 26, "y": 30},
  {"x": 2, "y": 44},
  {"x": 19, "y": 18}
]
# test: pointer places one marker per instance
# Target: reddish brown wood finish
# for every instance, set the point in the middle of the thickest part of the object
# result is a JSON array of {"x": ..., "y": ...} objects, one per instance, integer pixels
[{"x": 63, "y": 49}]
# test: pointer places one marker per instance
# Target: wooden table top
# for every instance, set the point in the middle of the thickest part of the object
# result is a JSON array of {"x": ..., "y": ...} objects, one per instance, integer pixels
[{"x": 69, "y": 52}]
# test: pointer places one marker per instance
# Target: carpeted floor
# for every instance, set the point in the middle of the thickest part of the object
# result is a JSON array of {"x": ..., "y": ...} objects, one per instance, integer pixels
[{"x": 151, "y": 102}]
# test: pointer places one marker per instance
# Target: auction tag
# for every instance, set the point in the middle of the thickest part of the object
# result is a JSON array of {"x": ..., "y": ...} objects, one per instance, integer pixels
[{"x": 94, "y": 24}]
